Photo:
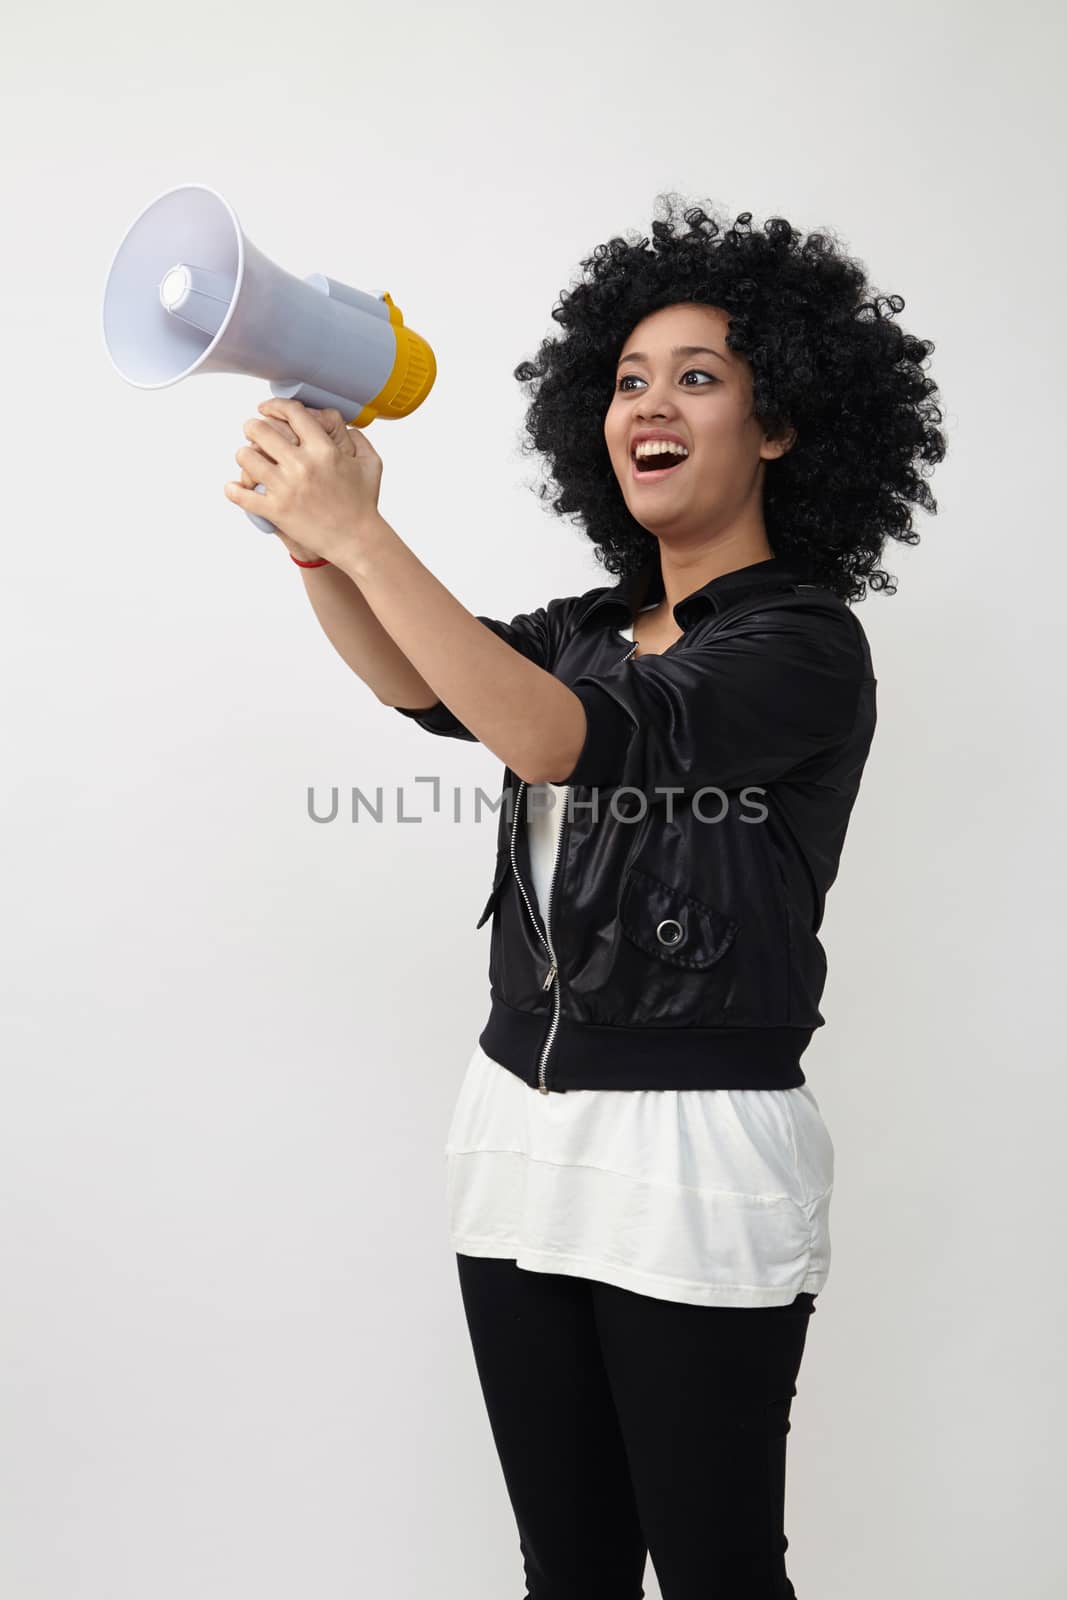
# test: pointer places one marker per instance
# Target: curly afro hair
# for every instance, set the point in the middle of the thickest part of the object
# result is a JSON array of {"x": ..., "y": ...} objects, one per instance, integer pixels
[{"x": 825, "y": 358}]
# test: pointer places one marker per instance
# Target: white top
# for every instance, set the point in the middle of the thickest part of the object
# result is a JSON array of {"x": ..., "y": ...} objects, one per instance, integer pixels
[{"x": 709, "y": 1196}]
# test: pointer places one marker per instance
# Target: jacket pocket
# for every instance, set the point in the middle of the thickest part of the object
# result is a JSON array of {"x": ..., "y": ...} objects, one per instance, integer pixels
[
  {"x": 501, "y": 873},
  {"x": 672, "y": 925}
]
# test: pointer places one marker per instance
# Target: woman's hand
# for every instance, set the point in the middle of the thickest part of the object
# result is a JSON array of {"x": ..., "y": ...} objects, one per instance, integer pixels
[
  {"x": 332, "y": 423},
  {"x": 322, "y": 478}
]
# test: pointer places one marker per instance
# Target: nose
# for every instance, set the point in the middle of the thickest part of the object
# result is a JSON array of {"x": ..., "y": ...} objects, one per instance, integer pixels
[{"x": 653, "y": 403}]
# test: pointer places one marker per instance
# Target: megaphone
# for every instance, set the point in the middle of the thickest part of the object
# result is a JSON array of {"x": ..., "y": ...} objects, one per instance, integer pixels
[{"x": 187, "y": 292}]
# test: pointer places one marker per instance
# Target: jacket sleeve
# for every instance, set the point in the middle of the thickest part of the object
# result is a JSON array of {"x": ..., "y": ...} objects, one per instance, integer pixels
[
  {"x": 528, "y": 633},
  {"x": 747, "y": 705}
]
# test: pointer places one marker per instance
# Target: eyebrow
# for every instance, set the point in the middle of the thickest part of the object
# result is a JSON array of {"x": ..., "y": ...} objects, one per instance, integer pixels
[{"x": 679, "y": 350}]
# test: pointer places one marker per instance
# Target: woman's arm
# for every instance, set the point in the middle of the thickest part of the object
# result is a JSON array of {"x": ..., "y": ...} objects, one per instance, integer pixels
[
  {"x": 361, "y": 641},
  {"x": 346, "y": 618},
  {"x": 441, "y": 651}
]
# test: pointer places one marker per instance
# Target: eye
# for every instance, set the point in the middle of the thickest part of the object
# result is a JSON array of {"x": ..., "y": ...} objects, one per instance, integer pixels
[{"x": 691, "y": 373}]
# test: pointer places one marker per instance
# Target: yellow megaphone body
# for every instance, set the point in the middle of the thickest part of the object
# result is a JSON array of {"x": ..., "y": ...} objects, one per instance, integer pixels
[{"x": 187, "y": 292}]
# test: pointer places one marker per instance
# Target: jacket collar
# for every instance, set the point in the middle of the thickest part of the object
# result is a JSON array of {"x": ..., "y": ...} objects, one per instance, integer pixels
[{"x": 645, "y": 587}]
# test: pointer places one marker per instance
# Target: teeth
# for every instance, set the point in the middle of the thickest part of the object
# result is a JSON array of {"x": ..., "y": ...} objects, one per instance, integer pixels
[{"x": 657, "y": 447}]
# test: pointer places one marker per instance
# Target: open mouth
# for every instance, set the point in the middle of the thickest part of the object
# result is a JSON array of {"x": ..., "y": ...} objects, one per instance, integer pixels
[{"x": 650, "y": 469}]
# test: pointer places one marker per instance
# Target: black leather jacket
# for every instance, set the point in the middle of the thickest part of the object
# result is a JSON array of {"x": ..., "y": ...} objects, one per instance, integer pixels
[{"x": 702, "y": 828}]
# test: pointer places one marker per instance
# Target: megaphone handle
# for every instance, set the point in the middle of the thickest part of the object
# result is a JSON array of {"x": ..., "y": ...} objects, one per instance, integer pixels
[{"x": 261, "y": 522}]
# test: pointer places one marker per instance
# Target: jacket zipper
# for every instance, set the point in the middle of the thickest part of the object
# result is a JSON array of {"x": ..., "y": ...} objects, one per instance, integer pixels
[{"x": 552, "y": 975}]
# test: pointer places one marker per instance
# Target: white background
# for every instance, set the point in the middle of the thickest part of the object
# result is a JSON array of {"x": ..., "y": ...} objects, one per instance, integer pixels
[{"x": 232, "y": 1350}]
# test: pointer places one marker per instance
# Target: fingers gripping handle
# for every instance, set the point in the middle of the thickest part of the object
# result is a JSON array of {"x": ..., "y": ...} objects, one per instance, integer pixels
[{"x": 315, "y": 400}]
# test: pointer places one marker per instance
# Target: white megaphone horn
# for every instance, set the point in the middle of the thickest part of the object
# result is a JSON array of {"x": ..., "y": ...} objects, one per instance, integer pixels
[{"x": 188, "y": 292}]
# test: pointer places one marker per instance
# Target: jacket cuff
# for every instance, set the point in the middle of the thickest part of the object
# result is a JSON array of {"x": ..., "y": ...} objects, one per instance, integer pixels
[
  {"x": 610, "y": 729},
  {"x": 435, "y": 719}
]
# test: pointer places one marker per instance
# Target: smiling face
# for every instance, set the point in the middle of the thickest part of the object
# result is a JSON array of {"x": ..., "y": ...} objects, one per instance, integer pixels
[{"x": 703, "y": 397}]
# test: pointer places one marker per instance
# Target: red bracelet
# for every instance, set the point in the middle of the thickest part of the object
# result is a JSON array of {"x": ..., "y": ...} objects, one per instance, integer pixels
[{"x": 308, "y": 563}]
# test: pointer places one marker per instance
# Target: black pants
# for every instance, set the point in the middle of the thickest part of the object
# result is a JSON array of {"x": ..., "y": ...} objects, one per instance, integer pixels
[{"x": 628, "y": 1425}]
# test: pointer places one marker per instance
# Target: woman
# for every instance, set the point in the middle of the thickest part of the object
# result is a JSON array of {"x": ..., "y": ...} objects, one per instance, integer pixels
[{"x": 640, "y": 1241}]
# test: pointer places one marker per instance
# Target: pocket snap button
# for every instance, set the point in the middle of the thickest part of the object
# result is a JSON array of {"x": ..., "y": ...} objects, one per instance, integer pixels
[{"x": 670, "y": 931}]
